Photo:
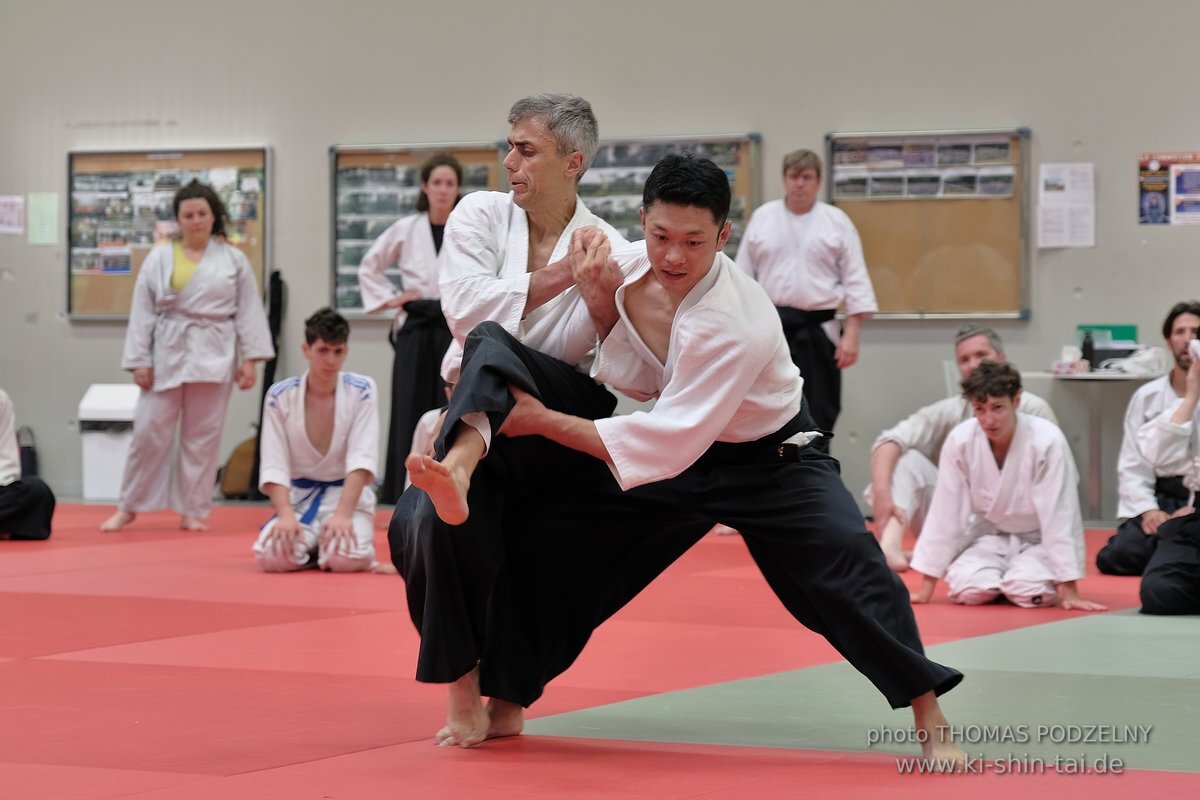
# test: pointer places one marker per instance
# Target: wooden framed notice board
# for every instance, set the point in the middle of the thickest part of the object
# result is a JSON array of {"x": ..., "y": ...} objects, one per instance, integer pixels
[
  {"x": 121, "y": 205},
  {"x": 375, "y": 185},
  {"x": 612, "y": 186},
  {"x": 943, "y": 217}
]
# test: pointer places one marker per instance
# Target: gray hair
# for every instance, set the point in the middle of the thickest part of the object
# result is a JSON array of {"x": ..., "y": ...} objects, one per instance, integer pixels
[
  {"x": 569, "y": 119},
  {"x": 972, "y": 330}
]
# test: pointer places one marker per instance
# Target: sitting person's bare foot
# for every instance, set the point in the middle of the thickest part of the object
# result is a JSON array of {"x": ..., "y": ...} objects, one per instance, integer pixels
[
  {"x": 382, "y": 568},
  {"x": 447, "y": 488},
  {"x": 192, "y": 524},
  {"x": 466, "y": 719},
  {"x": 117, "y": 521},
  {"x": 507, "y": 719}
]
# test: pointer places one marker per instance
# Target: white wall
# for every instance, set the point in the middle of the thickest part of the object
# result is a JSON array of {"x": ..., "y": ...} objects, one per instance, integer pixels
[{"x": 302, "y": 76}]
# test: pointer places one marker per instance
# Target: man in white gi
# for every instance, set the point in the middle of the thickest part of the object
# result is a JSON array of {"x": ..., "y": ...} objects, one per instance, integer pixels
[
  {"x": 26, "y": 502},
  {"x": 808, "y": 257},
  {"x": 1149, "y": 492},
  {"x": 506, "y": 269},
  {"x": 1171, "y": 441},
  {"x": 320, "y": 445},
  {"x": 1005, "y": 516},
  {"x": 727, "y": 440},
  {"x": 904, "y": 457}
]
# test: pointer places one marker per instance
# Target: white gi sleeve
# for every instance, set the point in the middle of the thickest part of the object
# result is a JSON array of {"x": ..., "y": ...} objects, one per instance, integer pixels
[
  {"x": 945, "y": 526},
  {"x": 1037, "y": 407},
  {"x": 362, "y": 441},
  {"x": 1135, "y": 475},
  {"x": 275, "y": 462},
  {"x": 377, "y": 289},
  {"x": 1055, "y": 496},
  {"x": 1167, "y": 445},
  {"x": 472, "y": 288},
  {"x": 143, "y": 313},
  {"x": 254, "y": 335},
  {"x": 708, "y": 383},
  {"x": 860, "y": 294},
  {"x": 924, "y": 428}
]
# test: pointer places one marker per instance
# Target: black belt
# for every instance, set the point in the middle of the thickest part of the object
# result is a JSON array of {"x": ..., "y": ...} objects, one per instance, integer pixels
[
  {"x": 773, "y": 447},
  {"x": 797, "y": 317},
  {"x": 1172, "y": 486}
]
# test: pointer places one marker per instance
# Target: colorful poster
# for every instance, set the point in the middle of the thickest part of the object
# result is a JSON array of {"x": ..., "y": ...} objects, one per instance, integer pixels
[{"x": 1161, "y": 177}]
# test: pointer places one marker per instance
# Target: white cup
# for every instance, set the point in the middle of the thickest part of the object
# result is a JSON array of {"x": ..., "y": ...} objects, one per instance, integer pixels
[{"x": 1194, "y": 348}]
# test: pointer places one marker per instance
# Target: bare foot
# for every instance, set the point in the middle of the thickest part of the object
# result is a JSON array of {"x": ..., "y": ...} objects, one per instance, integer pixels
[
  {"x": 936, "y": 741},
  {"x": 380, "y": 568},
  {"x": 192, "y": 524},
  {"x": 466, "y": 719},
  {"x": 447, "y": 488},
  {"x": 117, "y": 521},
  {"x": 723, "y": 530},
  {"x": 507, "y": 719}
]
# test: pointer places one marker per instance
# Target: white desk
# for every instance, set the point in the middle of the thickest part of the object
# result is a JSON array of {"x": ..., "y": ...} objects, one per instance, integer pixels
[{"x": 1092, "y": 510}]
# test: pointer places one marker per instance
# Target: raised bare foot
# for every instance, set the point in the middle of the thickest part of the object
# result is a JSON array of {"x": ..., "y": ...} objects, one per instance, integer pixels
[
  {"x": 507, "y": 719},
  {"x": 117, "y": 521},
  {"x": 466, "y": 719},
  {"x": 192, "y": 524},
  {"x": 723, "y": 530},
  {"x": 447, "y": 488}
]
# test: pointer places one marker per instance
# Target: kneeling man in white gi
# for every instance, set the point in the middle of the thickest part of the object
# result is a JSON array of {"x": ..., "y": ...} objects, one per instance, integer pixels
[
  {"x": 320, "y": 447},
  {"x": 1005, "y": 515}
]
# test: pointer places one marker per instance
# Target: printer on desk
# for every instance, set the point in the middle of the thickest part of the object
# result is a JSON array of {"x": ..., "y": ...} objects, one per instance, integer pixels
[{"x": 1115, "y": 348}]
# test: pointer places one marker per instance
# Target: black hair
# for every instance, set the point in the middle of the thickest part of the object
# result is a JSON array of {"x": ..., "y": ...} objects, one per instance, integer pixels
[
  {"x": 195, "y": 190},
  {"x": 689, "y": 180},
  {"x": 440, "y": 160},
  {"x": 327, "y": 325},
  {"x": 1190, "y": 307}
]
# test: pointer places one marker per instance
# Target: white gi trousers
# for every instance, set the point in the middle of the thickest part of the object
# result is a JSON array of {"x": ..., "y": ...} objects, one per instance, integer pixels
[
  {"x": 1011, "y": 564},
  {"x": 357, "y": 558},
  {"x": 151, "y": 481}
]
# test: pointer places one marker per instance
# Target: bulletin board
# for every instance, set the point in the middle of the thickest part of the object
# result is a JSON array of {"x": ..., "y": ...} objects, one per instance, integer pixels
[
  {"x": 943, "y": 217},
  {"x": 375, "y": 185},
  {"x": 612, "y": 187},
  {"x": 121, "y": 206}
]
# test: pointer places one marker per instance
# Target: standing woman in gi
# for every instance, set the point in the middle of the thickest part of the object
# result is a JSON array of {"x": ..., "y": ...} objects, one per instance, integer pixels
[
  {"x": 196, "y": 327},
  {"x": 419, "y": 334}
]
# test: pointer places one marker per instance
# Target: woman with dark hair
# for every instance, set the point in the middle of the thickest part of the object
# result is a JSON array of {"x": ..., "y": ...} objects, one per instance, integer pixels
[
  {"x": 419, "y": 334},
  {"x": 196, "y": 327}
]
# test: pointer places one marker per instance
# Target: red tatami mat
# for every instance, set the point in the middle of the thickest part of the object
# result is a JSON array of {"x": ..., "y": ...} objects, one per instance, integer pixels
[{"x": 161, "y": 665}]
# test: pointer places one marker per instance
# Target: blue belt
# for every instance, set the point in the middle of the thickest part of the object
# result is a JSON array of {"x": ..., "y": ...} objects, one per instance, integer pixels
[{"x": 314, "y": 496}]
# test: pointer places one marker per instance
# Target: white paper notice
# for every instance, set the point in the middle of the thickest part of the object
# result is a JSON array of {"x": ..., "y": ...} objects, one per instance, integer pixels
[
  {"x": 12, "y": 214},
  {"x": 1066, "y": 205}
]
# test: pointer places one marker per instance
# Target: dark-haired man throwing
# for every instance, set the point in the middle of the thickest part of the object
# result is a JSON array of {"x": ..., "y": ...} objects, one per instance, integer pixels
[{"x": 728, "y": 440}]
